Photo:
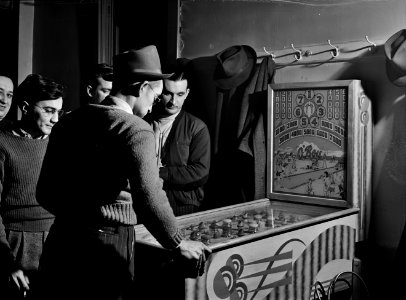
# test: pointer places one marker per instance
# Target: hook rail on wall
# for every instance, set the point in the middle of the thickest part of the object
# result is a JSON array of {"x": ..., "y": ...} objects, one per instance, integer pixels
[
  {"x": 297, "y": 54},
  {"x": 371, "y": 46},
  {"x": 334, "y": 51},
  {"x": 273, "y": 56}
]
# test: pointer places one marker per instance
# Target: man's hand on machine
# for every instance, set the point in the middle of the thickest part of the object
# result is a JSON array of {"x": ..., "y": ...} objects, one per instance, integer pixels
[
  {"x": 193, "y": 249},
  {"x": 193, "y": 257}
]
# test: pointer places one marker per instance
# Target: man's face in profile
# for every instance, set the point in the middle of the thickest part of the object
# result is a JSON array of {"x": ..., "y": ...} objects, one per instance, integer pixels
[{"x": 99, "y": 91}]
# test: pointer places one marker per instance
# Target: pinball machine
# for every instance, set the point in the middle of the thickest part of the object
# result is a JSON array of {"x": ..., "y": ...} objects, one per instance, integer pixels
[{"x": 319, "y": 149}]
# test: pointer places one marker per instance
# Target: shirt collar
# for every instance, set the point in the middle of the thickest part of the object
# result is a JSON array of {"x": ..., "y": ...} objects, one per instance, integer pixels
[
  {"x": 119, "y": 104},
  {"x": 18, "y": 131},
  {"x": 168, "y": 119}
]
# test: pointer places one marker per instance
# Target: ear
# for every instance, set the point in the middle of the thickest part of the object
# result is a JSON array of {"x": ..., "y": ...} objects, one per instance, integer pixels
[
  {"x": 24, "y": 107},
  {"x": 89, "y": 90},
  {"x": 144, "y": 85},
  {"x": 187, "y": 92},
  {"x": 140, "y": 88}
]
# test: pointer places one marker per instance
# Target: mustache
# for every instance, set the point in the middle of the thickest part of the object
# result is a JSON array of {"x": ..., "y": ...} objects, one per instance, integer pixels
[{"x": 170, "y": 104}]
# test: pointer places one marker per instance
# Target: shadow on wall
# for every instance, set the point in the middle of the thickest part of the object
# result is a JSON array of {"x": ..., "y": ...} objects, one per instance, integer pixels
[
  {"x": 389, "y": 161},
  {"x": 389, "y": 169}
]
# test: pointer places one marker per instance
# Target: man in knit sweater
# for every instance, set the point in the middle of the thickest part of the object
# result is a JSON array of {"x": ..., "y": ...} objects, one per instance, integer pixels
[
  {"x": 183, "y": 145},
  {"x": 108, "y": 148},
  {"x": 24, "y": 224}
]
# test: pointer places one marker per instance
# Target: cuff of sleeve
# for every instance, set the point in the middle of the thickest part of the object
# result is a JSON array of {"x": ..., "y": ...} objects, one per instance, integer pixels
[{"x": 176, "y": 239}]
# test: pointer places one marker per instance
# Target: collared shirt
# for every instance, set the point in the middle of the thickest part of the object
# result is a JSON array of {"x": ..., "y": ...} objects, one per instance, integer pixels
[
  {"x": 162, "y": 127},
  {"x": 18, "y": 131},
  {"x": 116, "y": 102}
]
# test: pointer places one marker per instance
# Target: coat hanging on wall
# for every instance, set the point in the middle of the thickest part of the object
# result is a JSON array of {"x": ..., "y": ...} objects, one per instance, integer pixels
[
  {"x": 252, "y": 126},
  {"x": 229, "y": 93}
]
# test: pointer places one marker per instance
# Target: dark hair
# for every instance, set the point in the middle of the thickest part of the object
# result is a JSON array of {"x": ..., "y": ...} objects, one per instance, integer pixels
[
  {"x": 99, "y": 70},
  {"x": 179, "y": 70},
  {"x": 36, "y": 87}
]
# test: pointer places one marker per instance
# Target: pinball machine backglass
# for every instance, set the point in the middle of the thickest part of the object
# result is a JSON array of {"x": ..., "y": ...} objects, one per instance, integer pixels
[{"x": 319, "y": 142}]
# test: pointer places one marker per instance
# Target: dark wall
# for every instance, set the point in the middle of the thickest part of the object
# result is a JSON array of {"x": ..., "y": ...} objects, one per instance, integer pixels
[
  {"x": 66, "y": 37},
  {"x": 141, "y": 23},
  {"x": 9, "y": 34},
  {"x": 9, "y": 45},
  {"x": 65, "y": 43},
  {"x": 207, "y": 27}
]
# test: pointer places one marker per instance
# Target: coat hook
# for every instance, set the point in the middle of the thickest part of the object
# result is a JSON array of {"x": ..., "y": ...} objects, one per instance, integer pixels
[
  {"x": 373, "y": 45},
  {"x": 298, "y": 53},
  {"x": 335, "y": 50},
  {"x": 270, "y": 53}
]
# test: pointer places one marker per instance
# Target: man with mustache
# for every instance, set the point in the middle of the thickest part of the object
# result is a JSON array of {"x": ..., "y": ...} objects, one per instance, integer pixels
[{"x": 183, "y": 145}]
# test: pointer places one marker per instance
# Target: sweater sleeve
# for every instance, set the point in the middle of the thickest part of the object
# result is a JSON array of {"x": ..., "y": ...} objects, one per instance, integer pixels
[
  {"x": 195, "y": 173},
  {"x": 7, "y": 260},
  {"x": 149, "y": 199}
]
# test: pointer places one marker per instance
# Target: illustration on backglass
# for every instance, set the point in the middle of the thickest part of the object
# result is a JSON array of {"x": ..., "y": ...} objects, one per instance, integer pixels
[{"x": 309, "y": 142}]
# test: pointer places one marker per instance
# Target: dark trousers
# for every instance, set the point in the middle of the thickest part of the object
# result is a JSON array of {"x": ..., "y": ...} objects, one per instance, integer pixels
[
  {"x": 26, "y": 247},
  {"x": 87, "y": 262}
]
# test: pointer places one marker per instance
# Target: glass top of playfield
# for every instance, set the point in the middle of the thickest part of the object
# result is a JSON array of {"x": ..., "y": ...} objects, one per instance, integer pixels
[
  {"x": 244, "y": 221},
  {"x": 240, "y": 223}
]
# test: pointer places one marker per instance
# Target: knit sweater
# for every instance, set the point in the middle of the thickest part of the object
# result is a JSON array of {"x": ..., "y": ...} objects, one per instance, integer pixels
[
  {"x": 20, "y": 165},
  {"x": 94, "y": 154},
  {"x": 186, "y": 160}
]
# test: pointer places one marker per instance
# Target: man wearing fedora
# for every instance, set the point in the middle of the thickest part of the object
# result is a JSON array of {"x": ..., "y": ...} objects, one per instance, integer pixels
[
  {"x": 99, "y": 177},
  {"x": 183, "y": 145}
]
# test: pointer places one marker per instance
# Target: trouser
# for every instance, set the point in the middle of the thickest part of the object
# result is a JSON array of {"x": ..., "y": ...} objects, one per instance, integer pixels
[
  {"x": 26, "y": 247},
  {"x": 87, "y": 262}
]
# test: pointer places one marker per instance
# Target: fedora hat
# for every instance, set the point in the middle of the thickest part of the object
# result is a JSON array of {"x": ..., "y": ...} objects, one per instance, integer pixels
[
  {"x": 395, "y": 53},
  {"x": 234, "y": 66},
  {"x": 135, "y": 65}
]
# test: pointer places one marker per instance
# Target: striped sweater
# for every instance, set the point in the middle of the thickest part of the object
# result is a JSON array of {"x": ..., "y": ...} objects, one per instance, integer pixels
[{"x": 20, "y": 164}]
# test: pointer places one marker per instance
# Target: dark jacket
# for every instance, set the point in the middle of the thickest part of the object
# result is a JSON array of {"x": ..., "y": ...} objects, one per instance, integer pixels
[{"x": 186, "y": 160}]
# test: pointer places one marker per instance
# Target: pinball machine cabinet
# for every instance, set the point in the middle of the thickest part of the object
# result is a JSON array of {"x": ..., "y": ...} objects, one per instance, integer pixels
[{"x": 318, "y": 185}]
